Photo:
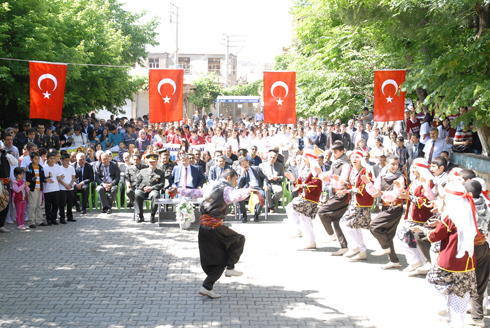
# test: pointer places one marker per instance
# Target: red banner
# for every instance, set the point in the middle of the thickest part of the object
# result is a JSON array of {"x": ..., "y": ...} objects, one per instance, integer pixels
[
  {"x": 389, "y": 100},
  {"x": 166, "y": 95},
  {"x": 47, "y": 89},
  {"x": 280, "y": 97}
]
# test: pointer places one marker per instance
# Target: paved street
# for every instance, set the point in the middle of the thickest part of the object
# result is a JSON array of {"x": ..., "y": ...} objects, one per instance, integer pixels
[{"x": 107, "y": 271}]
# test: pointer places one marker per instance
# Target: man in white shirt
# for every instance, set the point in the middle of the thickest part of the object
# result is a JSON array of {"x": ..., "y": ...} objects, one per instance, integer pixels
[
  {"x": 66, "y": 189},
  {"x": 51, "y": 189},
  {"x": 434, "y": 146},
  {"x": 8, "y": 144},
  {"x": 259, "y": 116},
  {"x": 311, "y": 137}
]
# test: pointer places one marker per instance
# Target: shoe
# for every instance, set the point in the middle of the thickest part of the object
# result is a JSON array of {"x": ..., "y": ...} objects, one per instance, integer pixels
[
  {"x": 55, "y": 222},
  {"x": 331, "y": 238},
  {"x": 340, "y": 252},
  {"x": 232, "y": 273},
  {"x": 50, "y": 223},
  {"x": 244, "y": 219},
  {"x": 352, "y": 252},
  {"x": 376, "y": 209},
  {"x": 477, "y": 323},
  {"x": 424, "y": 269},
  {"x": 381, "y": 252},
  {"x": 256, "y": 218},
  {"x": 359, "y": 257},
  {"x": 72, "y": 220},
  {"x": 209, "y": 293},
  {"x": 390, "y": 265},
  {"x": 43, "y": 224},
  {"x": 412, "y": 267},
  {"x": 21, "y": 227},
  {"x": 9, "y": 221},
  {"x": 3, "y": 229},
  {"x": 63, "y": 221},
  {"x": 272, "y": 210},
  {"x": 83, "y": 211},
  {"x": 109, "y": 211},
  {"x": 142, "y": 219},
  {"x": 298, "y": 234},
  {"x": 311, "y": 245},
  {"x": 32, "y": 226},
  {"x": 153, "y": 220}
]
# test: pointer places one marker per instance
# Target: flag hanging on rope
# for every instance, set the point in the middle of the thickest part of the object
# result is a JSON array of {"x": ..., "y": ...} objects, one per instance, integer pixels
[
  {"x": 166, "y": 95},
  {"x": 47, "y": 90},
  {"x": 389, "y": 100},
  {"x": 280, "y": 97}
]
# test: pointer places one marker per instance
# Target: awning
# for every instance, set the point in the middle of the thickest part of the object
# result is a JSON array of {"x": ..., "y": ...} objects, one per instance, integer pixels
[{"x": 238, "y": 99}]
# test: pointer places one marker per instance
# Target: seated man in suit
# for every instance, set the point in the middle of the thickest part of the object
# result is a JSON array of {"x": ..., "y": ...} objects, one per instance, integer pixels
[
  {"x": 193, "y": 162},
  {"x": 217, "y": 170},
  {"x": 107, "y": 175},
  {"x": 274, "y": 173},
  {"x": 149, "y": 182},
  {"x": 250, "y": 176},
  {"x": 212, "y": 162},
  {"x": 84, "y": 175},
  {"x": 186, "y": 176}
]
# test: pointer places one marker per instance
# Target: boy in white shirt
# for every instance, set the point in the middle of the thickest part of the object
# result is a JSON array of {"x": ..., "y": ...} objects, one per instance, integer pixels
[
  {"x": 51, "y": 189},
  {"x": 66, "y": 189}
]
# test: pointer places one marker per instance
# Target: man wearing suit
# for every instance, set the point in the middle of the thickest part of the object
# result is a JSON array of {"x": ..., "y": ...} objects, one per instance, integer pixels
[
  {"x": 345, "y": 137},
  {"x": 274, "y": 173},
  {"x": 86, "y": 128},
  {"x": 149, "y": 182},
  {"x": 186, "y": 176},
  {"x": 250, "y": 176},
  {"x": 415, "y": 149},
  {"x": 217, "y": 170},
  {"x": 321, "y": 138},
  {"x": 107, "y": 175},
  {"x": 449, "y": 165},
  {"x": 358, "y": 135},
  {"x": 212, "y": 162},
  {"x": 84, "y": 175},
  {"x": 330, "y": 136},
  {"x": 192, "y": 159}
]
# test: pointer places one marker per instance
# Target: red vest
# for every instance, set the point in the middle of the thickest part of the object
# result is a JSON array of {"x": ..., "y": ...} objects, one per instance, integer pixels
[
  {"x": 313, "y": 188},
  {"x": 420, "y": 213},
  {"x": 363, "y": 199},
  {"x": 447, "y": 233}
]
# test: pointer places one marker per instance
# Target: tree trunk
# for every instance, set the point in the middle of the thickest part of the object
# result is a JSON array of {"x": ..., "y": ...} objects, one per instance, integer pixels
[
  {"x": 483, "y": 20},
  {"x": 484, "y": 135},
  {"x": 422, "y": 94}
]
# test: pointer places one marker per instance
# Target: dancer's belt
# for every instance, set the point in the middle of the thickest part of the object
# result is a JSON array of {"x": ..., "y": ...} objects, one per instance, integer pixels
[
  {"x": 210, "y": 221},
  {"x": 395, "y": 203}
]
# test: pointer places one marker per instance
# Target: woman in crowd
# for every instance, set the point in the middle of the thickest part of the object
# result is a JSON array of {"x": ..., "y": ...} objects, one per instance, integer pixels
[
  {"x": 99, "y": 147},
  {"x": 142, "y": 142},
  {"x": 159, "y": 137},
  {"x": 78, "y": 138},
  {"x": 218, "y": 140},
  {"x": 66, "y": 137},
  {"x": 92, "y": 137},
  {"x": 206, "y": 157},
  {"x": 361, "y": 145},
  {"x": 390, "y": 145},
  {"x": 234, "y": 140},
  {"x": 104, "y": 138},
  {"x": 209, "y": 137},
  {"x": 377, "y": 151},
  {"x": 184, "y": 144},
  {"x": 91, "y": 154}
]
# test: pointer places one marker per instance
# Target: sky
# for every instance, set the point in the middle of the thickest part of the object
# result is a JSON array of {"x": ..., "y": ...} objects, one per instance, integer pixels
[{"x": 267, "y": 25}]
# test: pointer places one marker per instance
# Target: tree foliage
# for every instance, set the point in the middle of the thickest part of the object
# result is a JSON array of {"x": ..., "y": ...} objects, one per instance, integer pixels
[
  {"x": 81, "y": 31},
  {"x": 443, "y": 45}
]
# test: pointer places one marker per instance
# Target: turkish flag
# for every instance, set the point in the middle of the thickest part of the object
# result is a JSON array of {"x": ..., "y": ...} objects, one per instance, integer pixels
[
  {"x": 389, "y": 100},
  {"x": 280, "y": 97},
  {"x": 166, "y": 95},
  {"x": 47, "y": 89}
]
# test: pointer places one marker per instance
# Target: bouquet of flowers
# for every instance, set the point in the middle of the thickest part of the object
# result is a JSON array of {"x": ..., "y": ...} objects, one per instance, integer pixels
[{"x": 185, "y": 214}]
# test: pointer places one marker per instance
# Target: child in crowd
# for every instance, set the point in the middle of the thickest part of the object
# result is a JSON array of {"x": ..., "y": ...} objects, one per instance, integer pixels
[
  {"x": 20, "y": 196},
  {"x": 51, "y": 189},
  {"x": 66, "y": 181},
  {"x": 35, "y": 177}
]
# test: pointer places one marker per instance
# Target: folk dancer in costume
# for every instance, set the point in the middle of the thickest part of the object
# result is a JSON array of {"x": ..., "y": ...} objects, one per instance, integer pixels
[
  {"x": 358, "y": 214},
  {"x": 384, "y": 225},
  {"x": 418, "y": 196},
  {"x": 453, "y": 276},
  {"x": 476, "y": 188},
  {"x": 220, "y": 247},
  {"x": 332, "y": 211},
  {"x": 303, "y": 209}
]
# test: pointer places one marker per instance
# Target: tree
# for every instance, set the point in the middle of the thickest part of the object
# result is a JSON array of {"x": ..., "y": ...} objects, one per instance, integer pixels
[
  {"x": 251, "y": 89},
  {"x": 83, "y": 32},
  {"x": 207, "y": 90}
]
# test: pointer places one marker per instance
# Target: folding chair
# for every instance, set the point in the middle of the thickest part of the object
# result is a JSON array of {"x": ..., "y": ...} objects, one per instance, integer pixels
[{"x": 89, "y": 197}]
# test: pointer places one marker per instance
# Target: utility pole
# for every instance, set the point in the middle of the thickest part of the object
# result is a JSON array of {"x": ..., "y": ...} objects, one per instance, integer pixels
[
  {"x": 226, "y": 42},
  {"x": 174, "y": 11}
]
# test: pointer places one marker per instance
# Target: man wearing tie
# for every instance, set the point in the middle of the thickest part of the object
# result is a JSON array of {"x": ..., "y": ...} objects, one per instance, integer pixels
[
  {"x": 186, "y": 176},
  {"x": 415, "y": 149},
  {"x": 107, "y": 176},
  {"x": 251, "y": 176},
  {"x": 435, "y": 146},
  {"x": 84, "y": 175},
  {"x": 274, "y": 173},
  {"x": 149, "y": 182},
  {"x": 217, "y": 170},
  {"x": 331, "y": 136}
]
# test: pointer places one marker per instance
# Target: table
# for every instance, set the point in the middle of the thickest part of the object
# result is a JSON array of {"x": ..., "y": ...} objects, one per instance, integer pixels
[{"x": 165, "y": 215}]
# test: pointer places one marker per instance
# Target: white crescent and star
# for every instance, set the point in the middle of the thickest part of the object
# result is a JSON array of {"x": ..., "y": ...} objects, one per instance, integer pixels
[
  {"x": 165, "y": 81},
  {"x": 50, "y": 77},
  {"x": 387, "y": 82},
  {"x": 279, "y": 84}
]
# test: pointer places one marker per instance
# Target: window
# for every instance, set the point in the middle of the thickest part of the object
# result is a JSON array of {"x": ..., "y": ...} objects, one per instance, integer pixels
[
  {"x": 214, "y": 65},
  {"x": 153, "y": 63},
  {"x": 185, "y": 64}
]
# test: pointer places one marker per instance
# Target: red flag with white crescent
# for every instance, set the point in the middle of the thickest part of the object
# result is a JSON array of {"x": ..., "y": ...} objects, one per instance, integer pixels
[
  {"x": 166, "y": 89},
  {"x": 280, "y": 97},
  {"x": 389, "y": 100},
  {"x": 47, "y": 90}
]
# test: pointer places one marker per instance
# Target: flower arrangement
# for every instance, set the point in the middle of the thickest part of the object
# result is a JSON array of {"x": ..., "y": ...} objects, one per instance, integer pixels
[{"x": 185, "y": 214}]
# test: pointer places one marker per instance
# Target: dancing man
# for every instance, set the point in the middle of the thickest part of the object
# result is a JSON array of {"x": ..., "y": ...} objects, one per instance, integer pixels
[{"x": 220, "y": 247}]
